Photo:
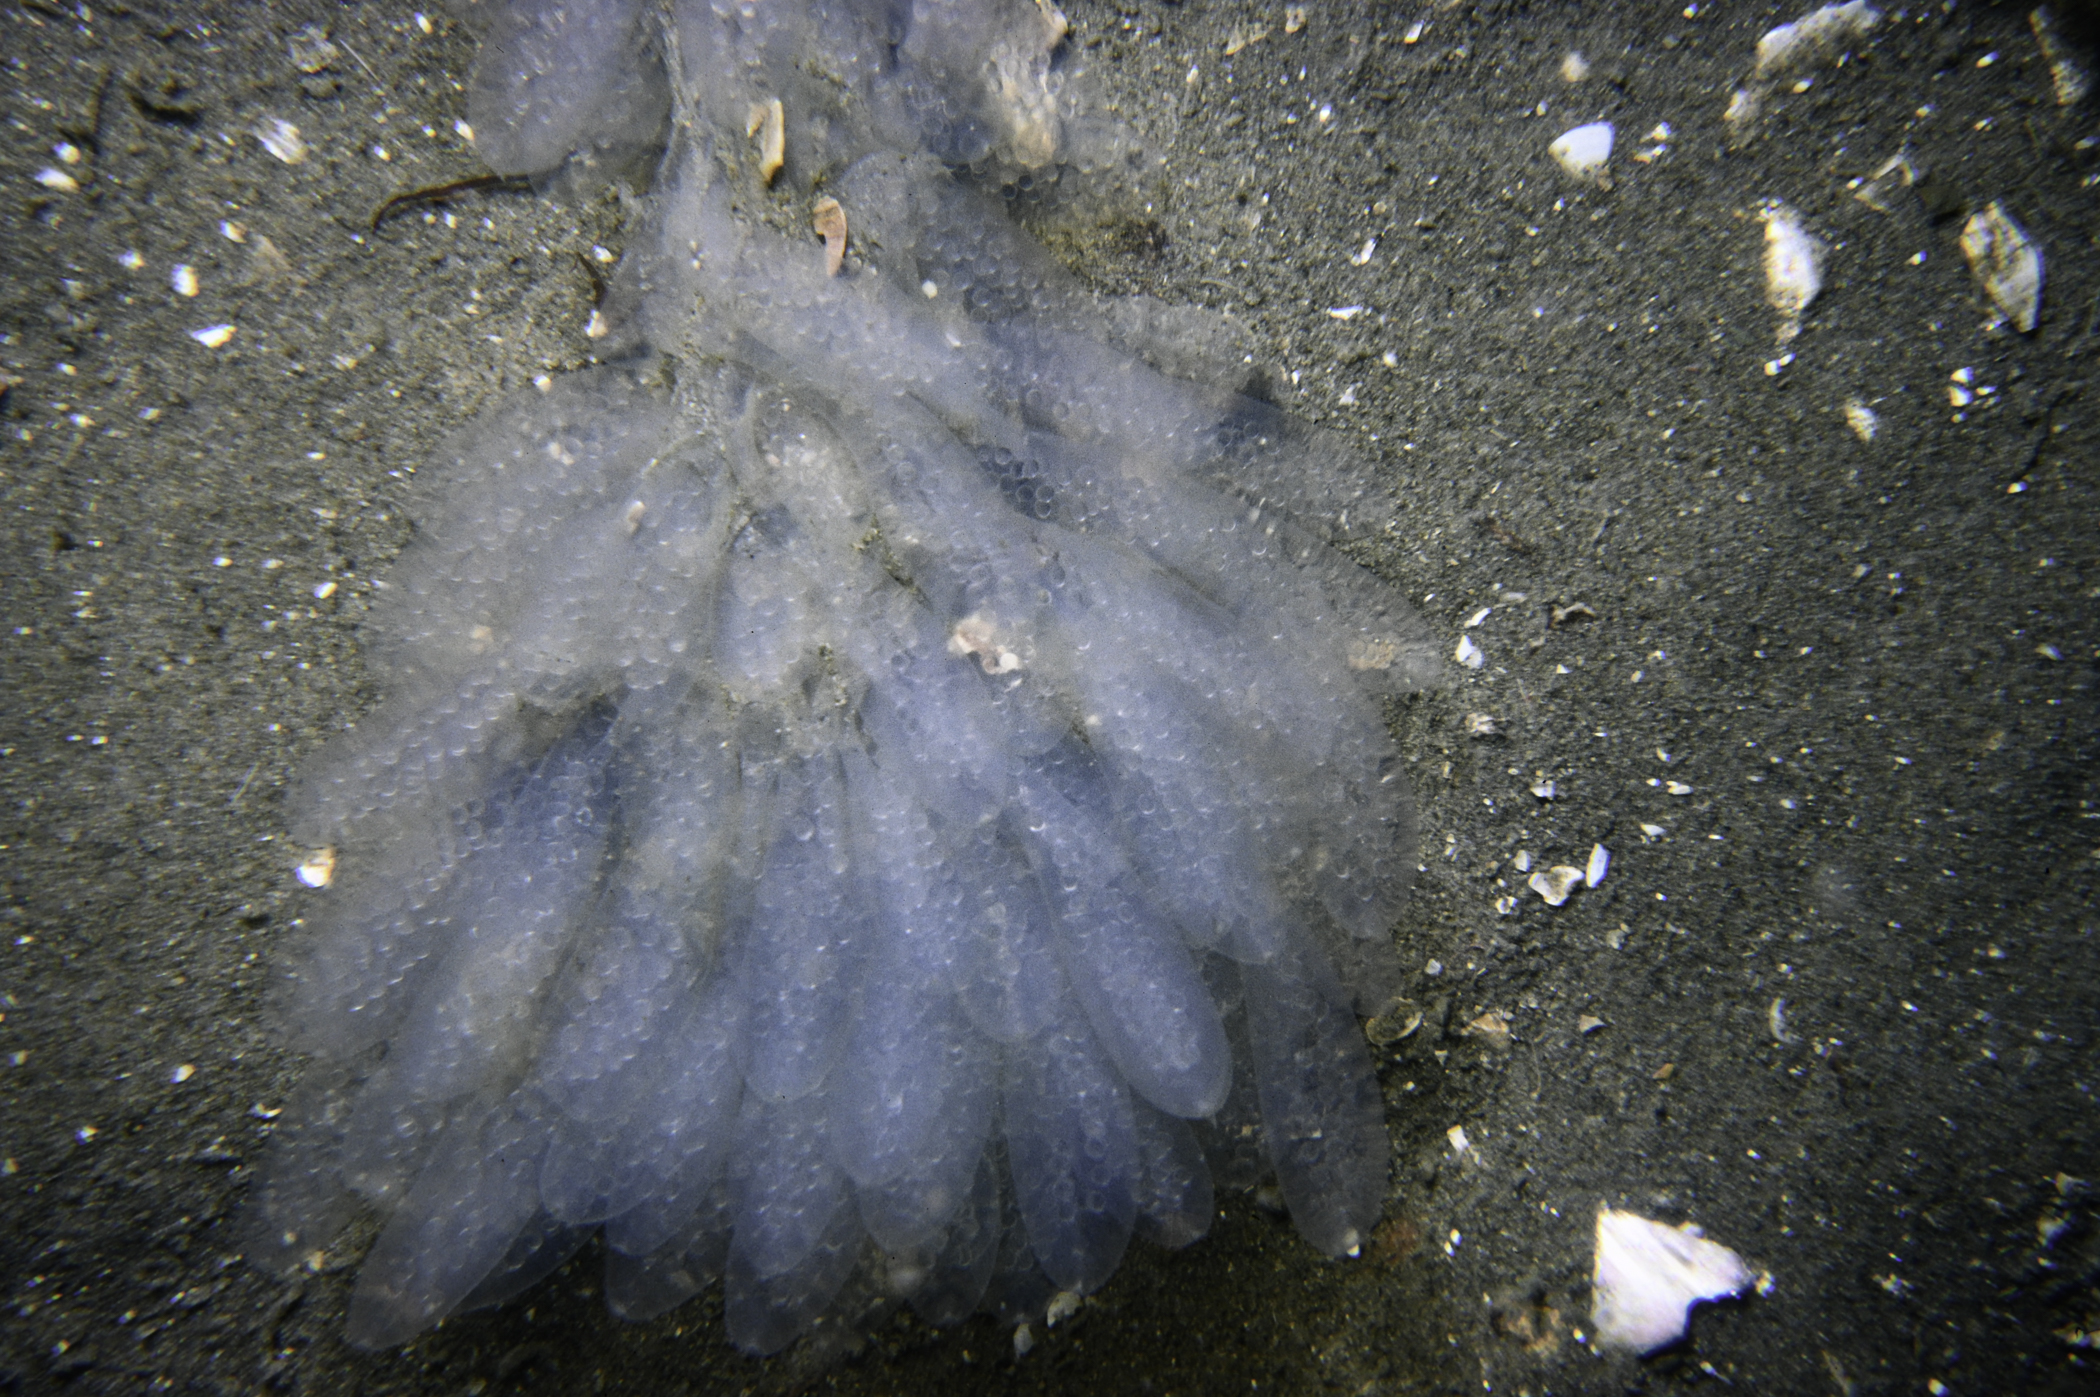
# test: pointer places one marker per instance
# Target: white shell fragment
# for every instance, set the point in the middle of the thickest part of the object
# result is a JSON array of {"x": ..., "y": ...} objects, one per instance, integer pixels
[
  {"x": 311, "y": 50},
  {"x": 1820, "y": 36},
  {"x": 1879, "y": 190},
  {"x": 318, "y": 871},
  {"x": 2066, "y": 74},
  {"x": 1555, "y": 884},
  {"x": 1863, "y": 420},
  {"x": 1469, "y": 654},
  {"x": 1398, "y": 1020},
  {"x": 769, "y": 126},
  {"x": 1817, "y": 36},
  {"x": 213, "y": 336},
  {"x": 1775, "y": 1020},
  {"x": 1793, "y": 267},
  {"x": 281, "y": 139},
  {"x": 1599, "y": 865},
  {"x": 184, "y": 279},
  {"x": 1648, "y": 1276},
  {"x": 2007, "y": 265},
  {"x": 1584, "y": 151},
  {"x": 1960, "y": 389}
]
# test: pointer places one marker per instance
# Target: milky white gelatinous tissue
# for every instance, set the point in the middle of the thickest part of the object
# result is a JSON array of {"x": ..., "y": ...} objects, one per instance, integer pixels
[
  {"x": 1648, "y": 1276},
  {"x": 880, "y": 792}
]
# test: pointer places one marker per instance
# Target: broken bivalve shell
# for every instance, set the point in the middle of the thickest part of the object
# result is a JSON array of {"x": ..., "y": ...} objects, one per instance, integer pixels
[
  {"x": 1396, "y": 1022},
  {"x": 1793, "y": 267},
  {"x": 1556, "y": 883},
  {"x": 1817, "y": 37},
  {"x": 1863, "y": 420},
  {"x": 2066, "y": 74},
  {"x": 1882, "y": 190},
  {"x": 2007, "y": 264},
  {"x": 318, "y": 868},
  {"x": 1584, "y": 152},
  {"x": 1648, "y": 1276},
  {"x": 768, "y": 126},
  {"x": 829, "y": 219}
]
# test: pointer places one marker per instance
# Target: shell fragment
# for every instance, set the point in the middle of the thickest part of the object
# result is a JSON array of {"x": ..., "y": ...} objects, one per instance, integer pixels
[
  {"x": 768, "y": 125},
  {"x": 1584, "y": 152},
  {"x": 829, "y": 219},
  {"x": 1556, "y": 883},
  {"x": 2066, "y": 74},
  {"x": 2007, "y": 264},
  {"x": 1818, "y": 36},
  {"x": 1793, "y": 267},
  {"x": 1648, "y": 1276}
]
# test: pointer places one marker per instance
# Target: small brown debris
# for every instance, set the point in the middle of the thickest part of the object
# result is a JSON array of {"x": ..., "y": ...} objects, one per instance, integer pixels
[
  {"x": 1572, "y": 614},
  {"x": 267, "y": 265},
  {"x": 1588, "y": 1024},
  {"x": 830, "y": 222},
  {"x": 1503, "y": 534},
  {"x": 1665, "y": 1072},
  {"x": 1483, "y": 725},
  {"x": 1293, "y": 19},
  {"x": 1394, "y": 1240},
  {"x": 1527, "y": 1319},
  {"x": 1493, "y": 1026},
  {"x": 434, "y": 193},
  {"x": 1373, "y": 652}
]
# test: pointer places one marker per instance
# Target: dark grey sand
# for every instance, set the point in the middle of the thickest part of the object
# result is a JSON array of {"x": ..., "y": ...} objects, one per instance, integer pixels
[{"x": 1845, "y": 999}]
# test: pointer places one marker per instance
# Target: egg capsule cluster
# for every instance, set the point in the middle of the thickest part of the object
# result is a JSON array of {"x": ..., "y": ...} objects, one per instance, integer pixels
[{"x": 878, "y": 797}]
